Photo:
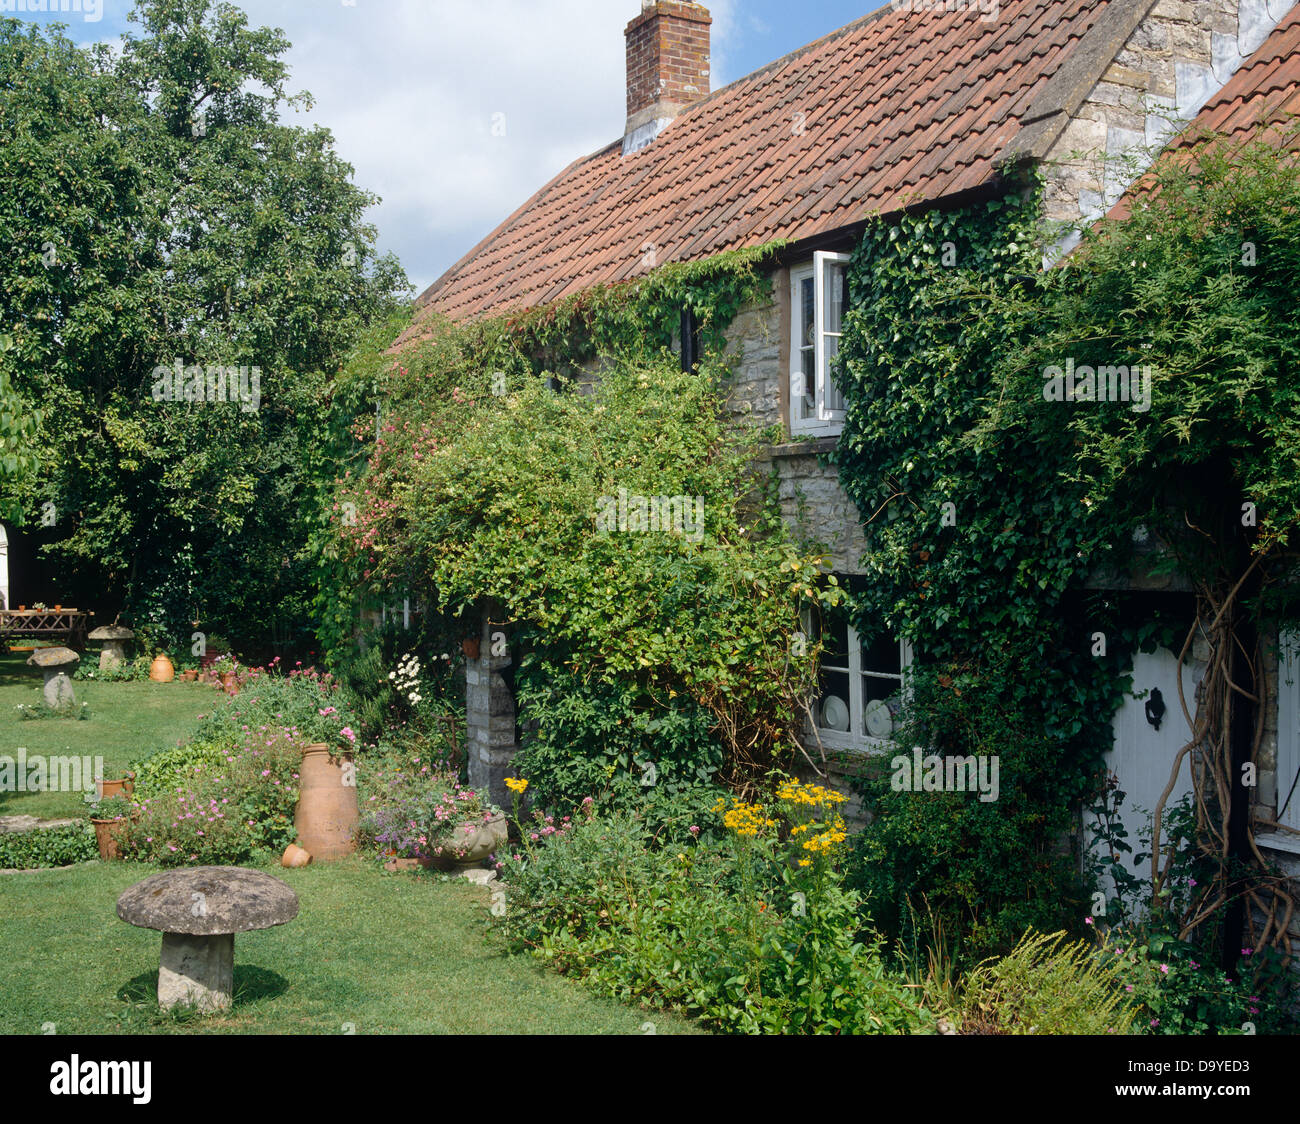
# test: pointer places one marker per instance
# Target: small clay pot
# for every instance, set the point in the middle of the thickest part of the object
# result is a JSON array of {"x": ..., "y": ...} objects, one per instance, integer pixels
[
  {"x": 106, "y": 838},
  {"x": 115, "y": 788},
  {"x": 470, "y": 647},
  {"x": 294, "y": 856},
  {"x": 189, "y": 675}
]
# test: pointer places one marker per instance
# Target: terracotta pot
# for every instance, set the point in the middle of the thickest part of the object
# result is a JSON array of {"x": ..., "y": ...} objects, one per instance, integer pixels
[
  {"x": 106, "y": 838},
  {"x": 474, "y": 846},
  {"x": 327, "y": 812},
  {"x": 230, "y": 682},
  {"x": 470, "y": 647},
  {"x": 162, "y": 670},
  {"x": 294, "y": 856},
  {"x": 123, "y": 787},
  {"x": 189, "y": 675}
]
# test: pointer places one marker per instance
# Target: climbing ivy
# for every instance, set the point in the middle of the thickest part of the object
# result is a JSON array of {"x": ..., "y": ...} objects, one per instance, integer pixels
[{"x": 992, "y": 506}]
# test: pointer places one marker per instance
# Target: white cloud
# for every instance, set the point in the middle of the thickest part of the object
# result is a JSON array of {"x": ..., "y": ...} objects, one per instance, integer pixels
[{"x": 410, "y": 88}]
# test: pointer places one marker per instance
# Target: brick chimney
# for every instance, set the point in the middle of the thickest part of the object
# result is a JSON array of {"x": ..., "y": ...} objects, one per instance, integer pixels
[{"x": 667, "y": 66}]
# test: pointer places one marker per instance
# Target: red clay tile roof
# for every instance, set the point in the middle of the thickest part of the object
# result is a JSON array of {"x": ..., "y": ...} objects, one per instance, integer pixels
[
  {"x": 900, "y": 107},
  {"x": 1261, "y": 99}
]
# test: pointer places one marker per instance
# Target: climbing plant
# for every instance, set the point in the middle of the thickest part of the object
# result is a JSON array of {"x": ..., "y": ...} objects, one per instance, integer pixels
[
  {"x": 561, "y": 469},
  {"x": 998, "y": 501}
]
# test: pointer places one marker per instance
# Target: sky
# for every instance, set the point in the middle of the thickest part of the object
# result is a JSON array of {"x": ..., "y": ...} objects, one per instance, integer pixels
[{"x": 456, "y": 111}]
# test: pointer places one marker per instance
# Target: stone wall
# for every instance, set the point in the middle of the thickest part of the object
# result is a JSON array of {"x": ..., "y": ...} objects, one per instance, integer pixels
[
  {"x": 491, "y": 741},
  {"x": 1182, "y": 53},
  {"x": 812, "y": 501}
]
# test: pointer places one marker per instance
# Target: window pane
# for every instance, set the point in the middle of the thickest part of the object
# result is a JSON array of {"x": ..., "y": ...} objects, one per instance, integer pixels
[
  {"x": 834, "y": 399},
  {"x": 834, "y": 634},
  {"x": 882, "y": 656},
  {"x": 875, "y": 687},
  {"x": 833, "y": 701},
  {"x": 808, "y": 311},
  {"x": 835, "y": 295}
]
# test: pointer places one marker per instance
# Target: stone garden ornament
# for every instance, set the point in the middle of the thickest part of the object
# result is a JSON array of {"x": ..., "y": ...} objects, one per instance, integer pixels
[{"x": 199, "y": 910}]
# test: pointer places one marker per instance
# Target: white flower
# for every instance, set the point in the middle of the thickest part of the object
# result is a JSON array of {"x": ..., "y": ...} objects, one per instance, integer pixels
[{"x": 392, "y": 675}]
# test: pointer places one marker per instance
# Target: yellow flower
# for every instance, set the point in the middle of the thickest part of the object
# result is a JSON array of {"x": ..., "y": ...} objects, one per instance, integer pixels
[
  {"x": 805, "y": 862},
  {"x": 516, "y": 784}
]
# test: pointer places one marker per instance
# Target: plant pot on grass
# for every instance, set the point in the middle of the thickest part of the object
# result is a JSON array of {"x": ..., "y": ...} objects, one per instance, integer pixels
[
  {"x": 327, "y": 814},
  {"x": 162, "y": 670},
  {"x": 112, "y": 819}
]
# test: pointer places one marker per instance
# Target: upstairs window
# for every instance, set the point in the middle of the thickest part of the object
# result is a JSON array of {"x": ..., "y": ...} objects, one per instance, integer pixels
[{"x": 819, "y": 295}]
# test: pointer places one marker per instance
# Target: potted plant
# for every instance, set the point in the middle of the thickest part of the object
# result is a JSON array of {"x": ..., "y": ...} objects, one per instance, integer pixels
[
  {"x": 437, "y": 822},
  {"x": 110, "y": 817}
]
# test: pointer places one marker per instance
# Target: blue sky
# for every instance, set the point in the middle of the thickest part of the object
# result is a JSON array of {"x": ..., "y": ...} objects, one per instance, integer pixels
[{"x": 455, "y": 111}]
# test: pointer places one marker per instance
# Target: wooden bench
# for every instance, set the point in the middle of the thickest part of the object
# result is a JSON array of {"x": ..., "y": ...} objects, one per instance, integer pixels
[{"x": 44, "y": 624}]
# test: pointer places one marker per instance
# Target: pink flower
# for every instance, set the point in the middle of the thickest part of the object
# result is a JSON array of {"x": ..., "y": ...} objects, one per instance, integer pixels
[
  {"x": 1164, "y": 969},
  {"x": 1087, "y": 920}
]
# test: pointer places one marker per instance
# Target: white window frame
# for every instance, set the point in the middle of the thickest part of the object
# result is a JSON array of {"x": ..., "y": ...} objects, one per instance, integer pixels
[
  {"x": 825, "y": 422},
  {"x": 856, "y": 738},
  {"x": 1288, "y": 725}
]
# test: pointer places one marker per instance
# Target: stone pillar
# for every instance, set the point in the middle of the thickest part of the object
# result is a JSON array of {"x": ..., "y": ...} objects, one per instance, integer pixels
[
  {"x": 197, "y": 971},
  {"x": 489, "y": 717}
]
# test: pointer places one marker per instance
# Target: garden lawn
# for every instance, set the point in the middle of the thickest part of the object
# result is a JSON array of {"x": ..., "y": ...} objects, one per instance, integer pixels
[
  {"x": 127, "y": 721},
  {"x": 369, "y": 953}
]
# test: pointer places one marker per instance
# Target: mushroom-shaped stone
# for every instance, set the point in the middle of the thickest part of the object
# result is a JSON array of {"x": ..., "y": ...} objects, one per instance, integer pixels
[
  {"x": 56, "y": 663},
  {"x": 115, "y": 639},
  {"x": 199, "y": 910}
]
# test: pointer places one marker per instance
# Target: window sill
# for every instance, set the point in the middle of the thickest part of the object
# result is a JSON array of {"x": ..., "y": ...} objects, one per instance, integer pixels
[
  {"x": 1280, "y": 841},
  {"x": 864, "y": 746},
  {"x": 817, "y": 446}
]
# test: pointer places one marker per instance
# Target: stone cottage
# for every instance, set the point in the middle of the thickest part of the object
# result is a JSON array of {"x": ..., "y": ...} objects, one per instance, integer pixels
[{"x": 914, "y": 105}]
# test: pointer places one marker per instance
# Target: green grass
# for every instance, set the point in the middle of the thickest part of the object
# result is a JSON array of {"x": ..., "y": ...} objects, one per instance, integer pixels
[
  {"x": 127, "y": 721},
  {"x": 380, "y": 953}
]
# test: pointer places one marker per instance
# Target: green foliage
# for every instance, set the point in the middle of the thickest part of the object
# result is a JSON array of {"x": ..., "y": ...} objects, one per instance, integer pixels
[
  {"x": 55, "y": 846},
  {"x": 733, "y": 931},
  {"x": 183, "y": 511},
  {"x": 1047, "y": 985},
  {"x": 169, "y": 769},
  {"x": 592, "y": 735},
  {"x": 988, "y": 504},
  {"x": 473, "y": 498}
]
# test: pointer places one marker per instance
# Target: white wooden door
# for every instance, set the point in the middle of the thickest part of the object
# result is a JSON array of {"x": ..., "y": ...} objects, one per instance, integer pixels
[{"x": 1142, "y": 756}]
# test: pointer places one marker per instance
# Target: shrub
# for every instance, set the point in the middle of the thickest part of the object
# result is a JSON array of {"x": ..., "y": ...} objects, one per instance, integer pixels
[
  {"x": 589, "y": 733},
  {"x": 1177, "y": 989},
  {"x": 749, "y": 933},
  {"x": 1046, "y": 986},
  {"x": 228, "y": 812},
  {"x": 982, "y": 872},
  {"x": 170, "y": 769},
  {"x": 55, "y": 846}
]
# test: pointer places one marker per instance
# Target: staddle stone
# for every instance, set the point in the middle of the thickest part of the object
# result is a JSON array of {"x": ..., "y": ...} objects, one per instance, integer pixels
[{"x": 199, "y": 910}]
